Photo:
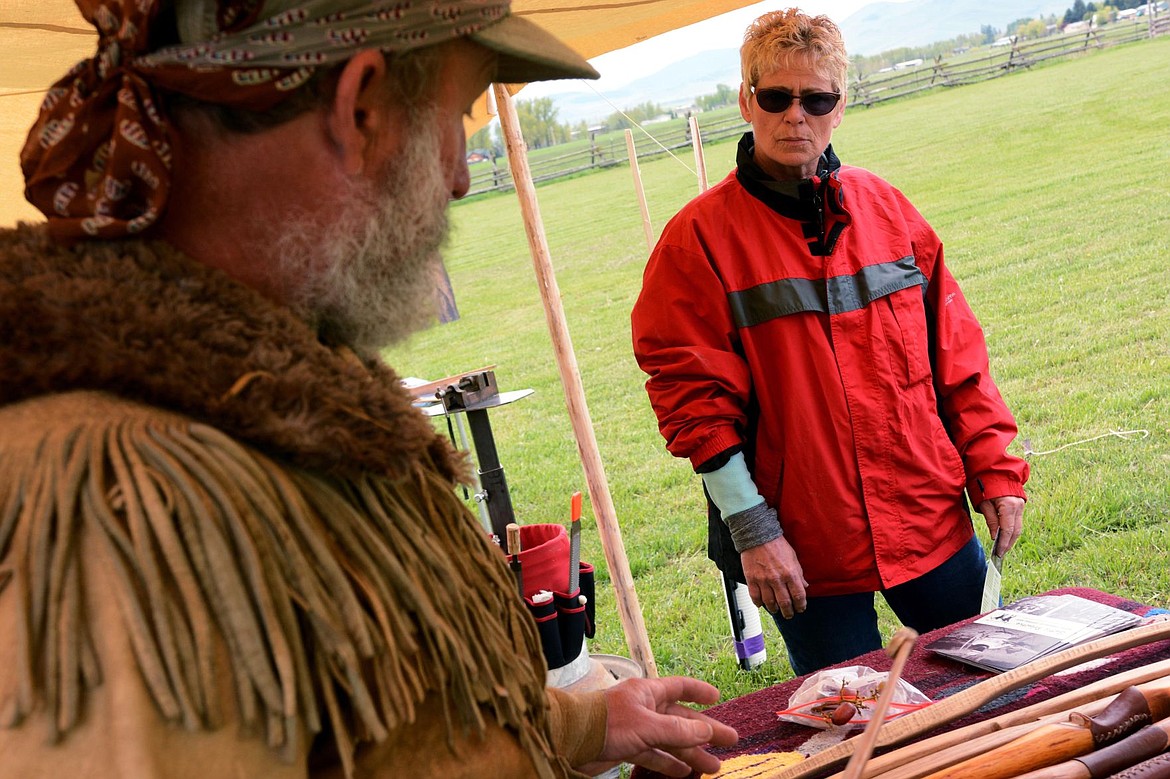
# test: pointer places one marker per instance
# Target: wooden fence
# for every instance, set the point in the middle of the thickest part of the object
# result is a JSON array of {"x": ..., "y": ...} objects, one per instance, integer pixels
[
  {"x": 606, "y": 151},
  {"x": 1002, "y": 60},
  {"x": 609, "y": 149}
]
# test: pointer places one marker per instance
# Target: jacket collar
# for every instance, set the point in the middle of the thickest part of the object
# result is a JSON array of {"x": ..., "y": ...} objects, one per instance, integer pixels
[{"x": 818, "y": 203}]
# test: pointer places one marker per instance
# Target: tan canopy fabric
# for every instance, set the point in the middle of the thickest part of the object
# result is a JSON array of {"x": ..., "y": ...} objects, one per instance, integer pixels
[{"x": 41, "y": 39}]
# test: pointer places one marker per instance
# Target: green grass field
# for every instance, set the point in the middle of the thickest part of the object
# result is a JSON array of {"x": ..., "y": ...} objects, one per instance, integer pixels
[{"x": 1050, "y": 190}]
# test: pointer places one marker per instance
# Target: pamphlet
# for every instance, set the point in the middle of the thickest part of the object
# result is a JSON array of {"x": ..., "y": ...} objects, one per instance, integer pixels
[{"x": 1031, "y": 628}]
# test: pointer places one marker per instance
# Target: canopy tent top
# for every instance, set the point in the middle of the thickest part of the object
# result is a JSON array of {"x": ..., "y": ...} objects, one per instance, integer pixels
[{"x": 41, "y": 39}]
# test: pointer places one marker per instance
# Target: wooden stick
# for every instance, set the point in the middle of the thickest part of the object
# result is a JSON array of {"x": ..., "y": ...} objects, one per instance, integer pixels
[
  {"x": 646, "y": 227},
  {"x": 1055, "y": 743},
  {"x": 697, "y": 145},
  {"x": 899, "y": 648},
  {"x": 513, "y": 532},
  {"x": 1038, "y": 748},
  {"x": 970, "y": 699},
  {"x": 929, "y": 763},
  {"x": 1112, "y": 758},
  {"x": 599, "y": 495},
  {"x": 428, "y": 390},
  {"x": 1089, "y": 699}
]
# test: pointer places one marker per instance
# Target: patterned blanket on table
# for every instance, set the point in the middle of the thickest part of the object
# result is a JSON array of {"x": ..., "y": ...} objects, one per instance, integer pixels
[{"x": 760, "y": 731}]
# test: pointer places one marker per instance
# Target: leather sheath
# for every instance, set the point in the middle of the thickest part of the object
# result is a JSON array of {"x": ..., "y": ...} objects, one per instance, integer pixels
[
  {"x": 1131, "y": 750},
  {"x": 1124, "y": 714},
  {"x": 1154, "y": 768}
]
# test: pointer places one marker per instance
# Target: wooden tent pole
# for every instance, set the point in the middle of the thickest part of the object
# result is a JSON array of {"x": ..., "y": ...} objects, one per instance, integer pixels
[
  {"x": 599, "y": 496},
  {"x": 646, "y": 226},
  {"x": 697, "y": 145}
]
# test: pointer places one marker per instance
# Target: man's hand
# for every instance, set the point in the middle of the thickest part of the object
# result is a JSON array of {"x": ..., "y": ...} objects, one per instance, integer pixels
[
  {"x": 647, "y": 725},
  {"x": 774, "y": 577},
  {"x": 1004, "y": 516}
]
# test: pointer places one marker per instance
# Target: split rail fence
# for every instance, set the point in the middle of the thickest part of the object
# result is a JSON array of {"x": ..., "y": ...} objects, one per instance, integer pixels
[
  {"x": 609, "y": 149},
  {"x": 1002, "y": 60}
]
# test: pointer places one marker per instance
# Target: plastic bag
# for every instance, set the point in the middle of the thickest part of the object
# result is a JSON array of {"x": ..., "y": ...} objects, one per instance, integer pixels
[{"x": 845, "y": 697}]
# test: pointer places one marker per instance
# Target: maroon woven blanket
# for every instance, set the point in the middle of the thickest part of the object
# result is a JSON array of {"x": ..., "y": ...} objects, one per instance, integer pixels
[{"x": 754, "y": 715}]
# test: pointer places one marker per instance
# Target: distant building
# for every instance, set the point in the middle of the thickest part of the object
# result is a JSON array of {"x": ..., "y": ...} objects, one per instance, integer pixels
[
  {"x": 908, "y": 64},
  {"x": 1141, "y": 10}
]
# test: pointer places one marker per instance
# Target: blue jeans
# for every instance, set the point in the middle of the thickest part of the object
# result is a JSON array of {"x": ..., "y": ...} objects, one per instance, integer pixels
[{"x": 836, "y": 628}]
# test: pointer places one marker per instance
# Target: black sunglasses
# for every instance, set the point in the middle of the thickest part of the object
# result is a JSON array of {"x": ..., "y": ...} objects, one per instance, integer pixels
[{"x": 776, "y": 101}]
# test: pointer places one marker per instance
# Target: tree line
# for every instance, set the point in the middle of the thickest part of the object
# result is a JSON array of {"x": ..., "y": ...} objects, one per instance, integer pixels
[
  {"x": 1021, "y": 29},
  {"x": 540, "y": 125}
]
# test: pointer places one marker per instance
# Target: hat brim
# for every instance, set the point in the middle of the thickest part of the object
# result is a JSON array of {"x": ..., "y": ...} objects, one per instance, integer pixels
[{"x": 527, "y": 52}]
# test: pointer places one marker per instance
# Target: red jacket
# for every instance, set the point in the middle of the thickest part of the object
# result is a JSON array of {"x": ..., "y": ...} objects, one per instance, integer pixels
[{"x": 845, "y": 359}]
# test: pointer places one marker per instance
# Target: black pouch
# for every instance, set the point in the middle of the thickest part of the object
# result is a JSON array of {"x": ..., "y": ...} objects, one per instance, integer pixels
[
  {"x": 585, "y": 584},
  {"x": 565, "y": 622},
  {"x": 548, "y": 626}
]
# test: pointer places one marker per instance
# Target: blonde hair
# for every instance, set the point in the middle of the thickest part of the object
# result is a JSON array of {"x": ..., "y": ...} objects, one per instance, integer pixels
[{"x": 788, "y": 38}]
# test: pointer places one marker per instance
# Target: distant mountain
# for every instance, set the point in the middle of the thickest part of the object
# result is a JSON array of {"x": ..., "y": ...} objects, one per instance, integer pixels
[
  {"x": 676, "y": 85},
  {"x": 874, "y": 28}
]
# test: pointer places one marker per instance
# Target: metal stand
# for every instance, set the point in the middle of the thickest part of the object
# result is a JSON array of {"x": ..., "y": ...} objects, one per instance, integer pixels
[
  {"x": 480, "y": 506},
  {"x": 473, "y": 394}
]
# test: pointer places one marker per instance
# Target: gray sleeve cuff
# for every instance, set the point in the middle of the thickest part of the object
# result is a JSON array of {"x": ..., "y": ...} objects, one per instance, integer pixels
[{"x": 752, "y": 527}]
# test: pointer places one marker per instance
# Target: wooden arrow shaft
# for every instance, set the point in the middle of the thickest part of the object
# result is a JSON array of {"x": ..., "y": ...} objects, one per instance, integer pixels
[{"x": 900, "y": 645}]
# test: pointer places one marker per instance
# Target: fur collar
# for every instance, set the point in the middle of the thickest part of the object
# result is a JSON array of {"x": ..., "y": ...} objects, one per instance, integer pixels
[{"x": 142, "y": 321}]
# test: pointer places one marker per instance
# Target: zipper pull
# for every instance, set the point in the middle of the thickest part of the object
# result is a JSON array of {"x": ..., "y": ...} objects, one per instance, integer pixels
[{"x": 819, "y": 208}]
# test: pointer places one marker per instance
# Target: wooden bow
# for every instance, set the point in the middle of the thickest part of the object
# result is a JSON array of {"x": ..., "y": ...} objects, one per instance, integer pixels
[
  {"x": 1145, "y": 743},
  {"x": 952, "y": 746},
  {"x": 899, "y": 649},
  {"x": 970, "y": 699},
  {"x": 1050, "y": 745}
]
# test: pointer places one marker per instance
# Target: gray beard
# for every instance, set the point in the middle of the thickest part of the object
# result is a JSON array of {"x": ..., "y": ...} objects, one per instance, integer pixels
[{"x": 367, "y": 278}]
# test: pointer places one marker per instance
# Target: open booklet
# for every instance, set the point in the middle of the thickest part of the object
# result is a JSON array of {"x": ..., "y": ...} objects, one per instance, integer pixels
[{"x": 1030, "y": 628}]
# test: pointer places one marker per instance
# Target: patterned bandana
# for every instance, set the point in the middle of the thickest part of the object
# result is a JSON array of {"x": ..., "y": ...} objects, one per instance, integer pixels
[{"x": 97, "y": 162}]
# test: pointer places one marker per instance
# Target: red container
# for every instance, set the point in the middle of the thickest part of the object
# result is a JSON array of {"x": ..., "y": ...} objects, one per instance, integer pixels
[{"x": 544, "y": 558}]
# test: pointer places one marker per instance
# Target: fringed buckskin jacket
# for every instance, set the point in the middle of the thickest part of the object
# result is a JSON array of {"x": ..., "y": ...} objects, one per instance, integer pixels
[{"x": 227, "y": 550}]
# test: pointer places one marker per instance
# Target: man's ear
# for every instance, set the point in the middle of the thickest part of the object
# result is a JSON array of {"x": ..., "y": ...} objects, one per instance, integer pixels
[{"x": 359, "y": 113}]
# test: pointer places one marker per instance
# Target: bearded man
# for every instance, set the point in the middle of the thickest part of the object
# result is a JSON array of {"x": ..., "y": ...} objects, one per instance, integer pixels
[{"x": 229, "y": 546}]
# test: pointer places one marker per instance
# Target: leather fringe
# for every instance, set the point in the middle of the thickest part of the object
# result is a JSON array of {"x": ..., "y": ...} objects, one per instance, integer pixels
[{"x": 337, "y": 599}]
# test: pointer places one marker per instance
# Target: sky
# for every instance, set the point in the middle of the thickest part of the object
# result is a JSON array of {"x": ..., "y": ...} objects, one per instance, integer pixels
[{"x": 620, "y": 67}]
